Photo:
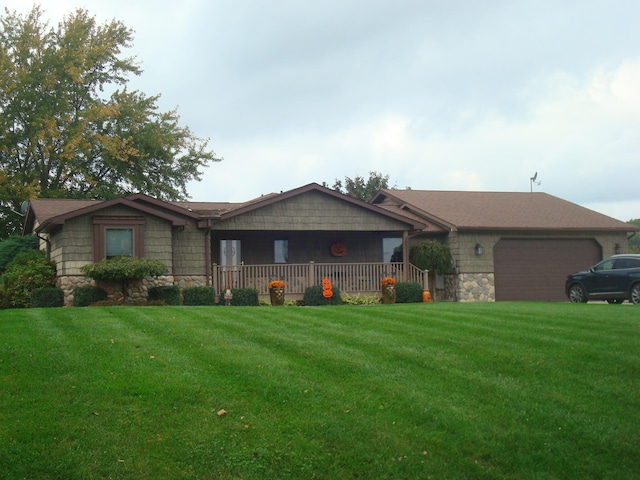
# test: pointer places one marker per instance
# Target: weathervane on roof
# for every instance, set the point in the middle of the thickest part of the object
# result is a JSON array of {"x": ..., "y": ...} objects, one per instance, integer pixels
[{"x": 532, "y": 180}]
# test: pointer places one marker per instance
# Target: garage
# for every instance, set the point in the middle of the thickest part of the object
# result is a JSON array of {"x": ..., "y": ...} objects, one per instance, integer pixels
[{"x": 535, "y": 269}]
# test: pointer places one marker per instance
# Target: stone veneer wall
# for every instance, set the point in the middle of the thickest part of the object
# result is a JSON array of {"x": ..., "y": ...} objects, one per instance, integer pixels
[
  {"x": 476, "y": 287},
  {"x": 138, "y": 291}
]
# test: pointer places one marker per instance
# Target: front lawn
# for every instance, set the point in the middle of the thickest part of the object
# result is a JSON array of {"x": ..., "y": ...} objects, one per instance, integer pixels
[{"x": 491, "y": 390}]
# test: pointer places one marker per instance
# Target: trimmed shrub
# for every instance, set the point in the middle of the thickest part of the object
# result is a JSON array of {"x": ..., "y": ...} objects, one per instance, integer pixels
[
  {"x": 12, "y": 246},
  {"x": 169, "y": 294},
  {"x": 47, "y": 297},
  {"x": 124, "y": 270},
  {"x": 408, "y": 292},
  {"x": 28, "y": 271},
  {"x": 199, "y": 296},
  {"x": 313, "y": 297},
  {"x": 242, "y": 297},
  {"x": 87, "y": 295}
]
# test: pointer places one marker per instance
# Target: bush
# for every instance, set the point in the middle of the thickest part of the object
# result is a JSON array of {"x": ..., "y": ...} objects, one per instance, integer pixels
[
  {"x": 242, "y": 297},
  {"x": 199, "y": 296},
  {"x": 313, "y": 297},
  {"x": 169, "y": 294},
  {"x": 359, "y": 299},
  {"x": 120, "y": 269},
  {"x": 408, "y": 292},
  {"x": 12, "y": 246},
  {"x": 4, "y": 301},
  {"x": 85, "y": 296},
  {"x": 47, "y": 297},
  {"x": 431, "y": 255},
  {"x": 28, "y": 271}
]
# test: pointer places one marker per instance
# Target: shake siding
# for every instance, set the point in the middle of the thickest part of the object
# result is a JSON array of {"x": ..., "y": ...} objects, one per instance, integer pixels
[
  {"x": 76, "y": 239},
  {"x": 311, "y": 211},
  {"x": 157, "y": 240},
  {"x": 189, "y": 251}
]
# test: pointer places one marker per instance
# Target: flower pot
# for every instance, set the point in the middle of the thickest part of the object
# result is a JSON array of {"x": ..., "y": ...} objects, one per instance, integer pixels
[
  {"x": 389, "y": 294},
  {"x": 277, "y": 296}
]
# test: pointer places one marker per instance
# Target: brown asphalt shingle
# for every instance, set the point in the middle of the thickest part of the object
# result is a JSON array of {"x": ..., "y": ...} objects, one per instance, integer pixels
[{"x": 504, "y": 210}]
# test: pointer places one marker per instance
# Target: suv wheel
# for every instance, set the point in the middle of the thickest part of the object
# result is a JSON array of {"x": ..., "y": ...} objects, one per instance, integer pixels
[
  {"x": 635, "y": 294},
  {"x": 578, "y": 295}
]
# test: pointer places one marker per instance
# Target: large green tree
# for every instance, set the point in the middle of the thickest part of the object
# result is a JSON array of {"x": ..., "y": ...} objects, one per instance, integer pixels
[
  {"x": 360, "y": 187},
  {"x": 70, "y": 128}
]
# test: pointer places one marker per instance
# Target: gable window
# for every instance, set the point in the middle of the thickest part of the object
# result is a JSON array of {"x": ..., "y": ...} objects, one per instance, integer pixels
[
  {"x": 281, "y": 251},
  {"x": 117, "y": 236}
]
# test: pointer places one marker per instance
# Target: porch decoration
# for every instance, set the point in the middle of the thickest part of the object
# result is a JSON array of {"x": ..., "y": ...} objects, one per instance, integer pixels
[
  {"x": 338, "y": 249},
  {"x": 276, "y": 292},
  {"x": 388, "y": 290},
  {"x": 327, "y": 289}
]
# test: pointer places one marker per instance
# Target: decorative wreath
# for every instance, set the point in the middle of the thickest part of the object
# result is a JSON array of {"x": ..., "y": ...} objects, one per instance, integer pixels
[{"x": 338, "y": 249}]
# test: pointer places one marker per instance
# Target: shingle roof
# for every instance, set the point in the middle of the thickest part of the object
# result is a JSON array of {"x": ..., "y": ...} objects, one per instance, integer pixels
[
  {"x": 501, "y": 210},
  {"x": 46, "y": 208}
]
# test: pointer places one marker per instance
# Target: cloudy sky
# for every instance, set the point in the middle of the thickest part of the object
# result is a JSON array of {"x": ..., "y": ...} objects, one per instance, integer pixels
[{"x": 439, "y": 95}]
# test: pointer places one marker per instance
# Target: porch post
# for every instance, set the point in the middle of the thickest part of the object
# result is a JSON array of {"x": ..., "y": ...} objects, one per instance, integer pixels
[
  {"x": 312, "y": 274},
  {"x": 214, "y": 278},
  {"x": 207, "y": 257},
  {"x": 405, "y": 255}
]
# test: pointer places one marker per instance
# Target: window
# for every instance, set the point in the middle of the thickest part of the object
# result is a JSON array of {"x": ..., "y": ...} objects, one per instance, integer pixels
[
  {"x": 606, "y": 265},
  {"x": 392, "y": 250},
  {"x": 118, "y": 242},
  {"x": 115, "y": 236},
  {"x": 281, "y": 251},
  {"x": 230, "y": 252}
]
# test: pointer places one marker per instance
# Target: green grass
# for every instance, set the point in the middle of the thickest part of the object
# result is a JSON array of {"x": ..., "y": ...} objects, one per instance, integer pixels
[{"x": 495, "y": 391}]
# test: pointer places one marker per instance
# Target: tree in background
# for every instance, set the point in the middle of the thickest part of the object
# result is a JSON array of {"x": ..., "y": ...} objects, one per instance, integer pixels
[
  {"x": 361, "y": 188},
  {"x": 11, "y": 247},
  {"x": 70, "y": 128},
  {"x": 634, "y": 242}
]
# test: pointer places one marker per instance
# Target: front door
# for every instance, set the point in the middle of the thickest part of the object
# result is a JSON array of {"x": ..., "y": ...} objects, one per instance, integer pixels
[{"x": 230, "y": 259}]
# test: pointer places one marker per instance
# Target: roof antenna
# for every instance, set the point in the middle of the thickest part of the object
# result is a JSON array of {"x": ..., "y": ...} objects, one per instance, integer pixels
[{"x": 532, "y": 180}]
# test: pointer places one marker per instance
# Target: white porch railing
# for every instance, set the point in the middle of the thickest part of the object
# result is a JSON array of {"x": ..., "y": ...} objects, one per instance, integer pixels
[{"x": 352, "y": 278}]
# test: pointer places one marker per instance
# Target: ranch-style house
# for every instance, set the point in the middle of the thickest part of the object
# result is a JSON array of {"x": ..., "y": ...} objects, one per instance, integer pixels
[{"x": 506, "y": 246}]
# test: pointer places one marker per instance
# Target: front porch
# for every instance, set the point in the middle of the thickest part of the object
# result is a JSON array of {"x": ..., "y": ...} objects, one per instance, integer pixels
[{"x": 352, "y": 278}]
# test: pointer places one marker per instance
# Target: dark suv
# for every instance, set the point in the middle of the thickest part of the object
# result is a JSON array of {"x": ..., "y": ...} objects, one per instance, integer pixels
[{"x": 615, "y": 280}]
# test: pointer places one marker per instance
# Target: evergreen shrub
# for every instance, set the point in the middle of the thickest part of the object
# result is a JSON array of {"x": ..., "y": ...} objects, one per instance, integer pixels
[
  {"x": 313, "y": 297},
  {"x": 169, "y": 294},
  {"x": 87, "y": 295},
  {"x": 47, "y": 297},
  {"x": 12, "y": 246},
  {"x": 408, "y": 292},
  {"x": 199, "y": 296},
  {"x": 243, "y": 297},
  {"x": 30, "y": 269},
  {"x": 4, "y": 301}
]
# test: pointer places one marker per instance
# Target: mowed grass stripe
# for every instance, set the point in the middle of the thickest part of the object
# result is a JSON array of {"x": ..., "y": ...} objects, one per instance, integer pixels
[{"x": 406, "y": 391}]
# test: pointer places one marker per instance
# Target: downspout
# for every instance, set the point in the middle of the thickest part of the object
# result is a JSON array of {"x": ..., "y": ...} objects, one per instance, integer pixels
[
  {"x": 48, "y": 244},
  {"x": 207, "y": 256},
  {"x": 405, "y": 254}
]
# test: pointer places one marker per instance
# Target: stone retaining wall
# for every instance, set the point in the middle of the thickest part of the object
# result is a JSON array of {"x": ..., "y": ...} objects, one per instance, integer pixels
[
  {"x": 476, "y": 287},
  {"x": 137, "y": 292}
]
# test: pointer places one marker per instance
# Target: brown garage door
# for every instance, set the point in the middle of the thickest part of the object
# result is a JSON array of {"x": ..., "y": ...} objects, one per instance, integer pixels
[{"x": 535, "y": 269}]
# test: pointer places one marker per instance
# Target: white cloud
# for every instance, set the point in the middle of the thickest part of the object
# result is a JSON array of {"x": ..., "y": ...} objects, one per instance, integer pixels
[{"x": 458, "y": 95}]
